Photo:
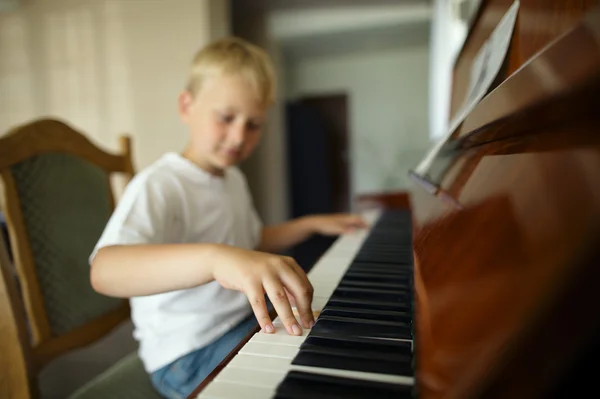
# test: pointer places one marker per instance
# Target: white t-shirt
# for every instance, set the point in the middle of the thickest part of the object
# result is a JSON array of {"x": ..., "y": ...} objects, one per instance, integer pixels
[{"x": 174, "y": 201}]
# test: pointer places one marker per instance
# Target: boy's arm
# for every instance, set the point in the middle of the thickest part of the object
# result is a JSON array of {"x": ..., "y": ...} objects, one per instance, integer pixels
[
  {"x": 278, "y": 238},
  {"x": 139, "y": 270}
]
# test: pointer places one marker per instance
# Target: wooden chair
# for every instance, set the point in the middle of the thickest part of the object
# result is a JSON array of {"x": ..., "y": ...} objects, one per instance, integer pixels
[{"x": 58, "y": 198}]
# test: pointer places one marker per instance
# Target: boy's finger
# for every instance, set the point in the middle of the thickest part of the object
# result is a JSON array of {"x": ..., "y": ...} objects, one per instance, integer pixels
[
  {"x": 297, "y": 269},
  {"x": 358, "y": 221},
  {"x": 255, "y": 295},
  {"x": 302, "y": 293},
  {"x": 276, "y": 293}
]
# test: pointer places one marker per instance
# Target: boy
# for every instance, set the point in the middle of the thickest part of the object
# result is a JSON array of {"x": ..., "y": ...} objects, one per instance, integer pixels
[{"x": 185, "y": 243}]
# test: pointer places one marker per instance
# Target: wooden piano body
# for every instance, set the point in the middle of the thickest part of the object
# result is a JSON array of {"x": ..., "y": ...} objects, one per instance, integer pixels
[
  {"x": 507, "y": 252},
  {"x": 507, "y": 222}
]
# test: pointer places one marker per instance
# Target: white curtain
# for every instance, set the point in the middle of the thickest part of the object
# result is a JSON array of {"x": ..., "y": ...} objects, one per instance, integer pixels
[
  {"x": 106, "y": 67},
  {"x": 448, "y": 32}
]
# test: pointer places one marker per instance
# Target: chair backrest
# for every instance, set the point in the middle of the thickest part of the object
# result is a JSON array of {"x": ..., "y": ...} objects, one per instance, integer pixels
[{"x": 58, "y": 198}]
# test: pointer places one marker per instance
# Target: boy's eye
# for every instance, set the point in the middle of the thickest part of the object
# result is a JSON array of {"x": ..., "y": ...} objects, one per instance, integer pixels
[
  {"x": 253, "y": 126},
  {"x": 226, "y": 118}
]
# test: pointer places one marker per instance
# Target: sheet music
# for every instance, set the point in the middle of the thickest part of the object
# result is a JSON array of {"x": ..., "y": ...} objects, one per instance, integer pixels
[{"x": 485, "y": 68}]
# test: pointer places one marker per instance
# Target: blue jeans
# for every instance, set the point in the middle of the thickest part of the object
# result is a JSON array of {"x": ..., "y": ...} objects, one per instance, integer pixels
[{"x": 178, "y": 379}]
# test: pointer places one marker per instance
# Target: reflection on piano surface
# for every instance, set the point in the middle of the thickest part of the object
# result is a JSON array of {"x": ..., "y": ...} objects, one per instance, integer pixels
[{"x": 486, "y": 285}]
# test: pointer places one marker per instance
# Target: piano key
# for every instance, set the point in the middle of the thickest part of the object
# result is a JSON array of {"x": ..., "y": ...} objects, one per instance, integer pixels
[
  {"x": 260, "y": 348},
  {"x": 385, "y": 315},
  {"x": 324, "y": 289},
  {"x": 255, "y": 362},
  {"x": 229, "y": 390},
  {"x": 358, "y": 358},
  {"x": 370, "y": 304},
  {"x": 280, "y": 337},
  {"x": 390, "y": 345},
  {"x": 253, "y": 377},
  {"x": 359, "y": 375},
  {"x": 374, "y": 268},
  {"x": 368, "y": 293},
  {"x": 374, "y": 285},
  {"x": 373, "y": 275},
  {"x": 314, "y": 386},
  {"x": 362, "y": 327},
  {"x": 319, "y": 302}
]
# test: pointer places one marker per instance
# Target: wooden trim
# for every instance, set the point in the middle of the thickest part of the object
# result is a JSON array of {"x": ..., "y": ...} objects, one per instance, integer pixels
[
  {"x": 126, "y": 150},
  {"x": 111, "y": 193},
  {"x": 16, "y": 379},
  {"x": 48, "y": 135},
  {"x": 393, "y": 199},
  {"x": 23, "y": 259},
  {"x": 81, "y": 336}
]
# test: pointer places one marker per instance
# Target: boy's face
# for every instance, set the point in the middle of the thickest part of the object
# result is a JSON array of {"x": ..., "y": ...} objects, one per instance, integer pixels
[{"x": 225, "y": 120}]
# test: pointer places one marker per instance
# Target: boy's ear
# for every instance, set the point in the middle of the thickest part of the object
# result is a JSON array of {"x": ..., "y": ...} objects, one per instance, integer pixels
[{"x": 184, "y": 103}]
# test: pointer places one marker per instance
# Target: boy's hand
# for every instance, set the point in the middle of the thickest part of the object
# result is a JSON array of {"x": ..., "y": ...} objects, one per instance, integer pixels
[
  {"x": 336, "y": 224},
  {"x": 256, "y": 273}
]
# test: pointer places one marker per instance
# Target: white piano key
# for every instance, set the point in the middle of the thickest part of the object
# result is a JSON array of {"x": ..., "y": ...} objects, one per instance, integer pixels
[
  {"x": 269, "y": 350},
  {"x": 332, "y": 266},
  {"x": 228, "y": 390},
  {"x": 254, "y": 362},
  {"x": 244, "y": 376},
  {"x": 319, "y": 302},
  {"x": 280, "y": 337},
  {"x": 327, "y": 273},
  {"x": 324, "y": 290}
]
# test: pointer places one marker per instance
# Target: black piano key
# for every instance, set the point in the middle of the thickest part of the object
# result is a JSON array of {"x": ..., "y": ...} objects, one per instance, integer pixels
[
  {"x": 370, "y": 304},
  {"x": 362, "y": 327},
  {"x": 370, "y": 284},
  {"x": 381, "y": 267},
  {"x": 384, "y": 345},
  {"x": 367, "y": 314},
  {"x": 302, "y": 385},
  {"x": 371, "y": 293},
  {"x": 354, "y": 353},
  {"x": 395, "y": 245},
  {"x": 378, "y": 274},
  {"x": 392, "y": 248},
  {"x": 390, "y": 275},
  {"x": 392, "y": 259},
  {"x": 332, "y": 358},
  {"x": 377, "y": 277}
]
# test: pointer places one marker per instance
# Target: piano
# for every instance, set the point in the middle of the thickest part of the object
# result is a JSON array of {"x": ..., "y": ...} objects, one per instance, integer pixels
[{"x": 482, "y": 282}]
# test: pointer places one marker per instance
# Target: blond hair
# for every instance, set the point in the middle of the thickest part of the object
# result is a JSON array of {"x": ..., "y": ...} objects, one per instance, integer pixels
[{"x": 235, "y": 56}]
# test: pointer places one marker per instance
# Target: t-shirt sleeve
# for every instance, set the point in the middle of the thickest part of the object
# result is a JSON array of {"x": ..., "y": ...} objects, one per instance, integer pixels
[
  {"x": 141, "y": 217},
  {"x": 256, "y": 226}
]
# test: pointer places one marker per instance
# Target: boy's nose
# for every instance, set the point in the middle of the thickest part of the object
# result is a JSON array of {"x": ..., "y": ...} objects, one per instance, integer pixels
[{"x": 237, "y": 135}]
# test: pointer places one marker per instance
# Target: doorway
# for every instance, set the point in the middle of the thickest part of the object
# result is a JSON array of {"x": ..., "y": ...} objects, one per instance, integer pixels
[
  {"x": 333, "y": 110},
  {"x": 318, "y": 147}
]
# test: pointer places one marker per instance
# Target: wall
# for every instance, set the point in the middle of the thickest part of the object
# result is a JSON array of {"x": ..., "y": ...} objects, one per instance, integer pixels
[
  {"x": 266, "y": 169},
  {"x": 105, "y": 66},
  {"x": 388, "y": 93}
]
